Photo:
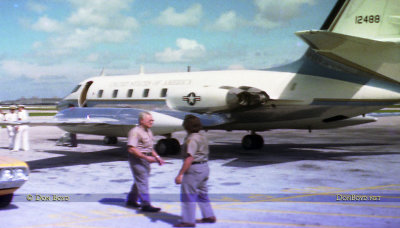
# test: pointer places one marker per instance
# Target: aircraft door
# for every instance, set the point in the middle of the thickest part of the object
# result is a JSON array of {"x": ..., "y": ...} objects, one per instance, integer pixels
[{"x": 82, "y": 98}]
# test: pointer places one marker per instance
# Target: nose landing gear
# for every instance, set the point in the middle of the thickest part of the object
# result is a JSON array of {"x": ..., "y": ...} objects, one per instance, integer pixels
[
  {"x": 169, "y": 146},
  {"x": 108, "y": 140},
  {"x": 252, "y": 142}
]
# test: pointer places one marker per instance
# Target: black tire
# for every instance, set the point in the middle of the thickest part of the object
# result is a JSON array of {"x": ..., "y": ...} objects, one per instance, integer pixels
[
  {"x": 162, "y": 147},
  {"x": 259, "y": 141},
  {"x": 251, "y": 142},
  {"x": 168, "y": 147},
  {"x": 175, "y": 147},
  {"x": 108, "y": 140},
  {"x": 5, "y": 200},
  {"x": 114, "y": 140}
]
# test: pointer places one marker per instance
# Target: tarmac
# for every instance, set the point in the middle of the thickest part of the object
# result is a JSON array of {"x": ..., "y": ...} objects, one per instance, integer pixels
[{"x": 347, "y": 177}]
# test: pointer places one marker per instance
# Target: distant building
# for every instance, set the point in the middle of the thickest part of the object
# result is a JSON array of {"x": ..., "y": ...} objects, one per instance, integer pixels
[{"x": 33, "y": 101}]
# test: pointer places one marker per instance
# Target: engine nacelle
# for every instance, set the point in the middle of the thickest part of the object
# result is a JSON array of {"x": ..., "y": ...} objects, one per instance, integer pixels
[{"x": 212, "y": 99}]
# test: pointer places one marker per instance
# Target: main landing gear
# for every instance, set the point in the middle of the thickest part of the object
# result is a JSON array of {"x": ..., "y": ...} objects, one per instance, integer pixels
[
  {"x": 252, "y": 142},
  {"x": 108, "y": 140},
  {"x": 168, "y": 146}
]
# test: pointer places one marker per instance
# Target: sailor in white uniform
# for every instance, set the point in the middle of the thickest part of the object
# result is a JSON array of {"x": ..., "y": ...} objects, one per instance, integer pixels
[
  {"x": 11, "y": 117},
  {"x": 22, "y": 135}
]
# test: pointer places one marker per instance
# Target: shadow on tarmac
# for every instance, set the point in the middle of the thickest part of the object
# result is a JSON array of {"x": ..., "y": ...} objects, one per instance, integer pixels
[
  {"x": 162, "y": 216},
  {"x": 268, "y": 155},
  {"x": 93, "y": 142},
  {"x": 283, "y": 153},
  {"x": 9, "y": 207},
  {"x": 72, "y": 158}
]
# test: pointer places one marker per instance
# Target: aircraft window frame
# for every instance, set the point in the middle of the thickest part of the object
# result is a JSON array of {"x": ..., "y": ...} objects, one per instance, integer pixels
[
  {"x": 146, "y": 92},
  {"x": 129, "y": 93},
  {"x": 100, "y": 93},
  {"x": 164, "y": 92},
  {"x": 76, "y": 88},
  {"x": 115, "y": 93}
]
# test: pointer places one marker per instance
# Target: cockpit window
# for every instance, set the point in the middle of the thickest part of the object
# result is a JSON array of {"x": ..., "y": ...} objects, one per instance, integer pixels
[{"x": 76, "y": 88}]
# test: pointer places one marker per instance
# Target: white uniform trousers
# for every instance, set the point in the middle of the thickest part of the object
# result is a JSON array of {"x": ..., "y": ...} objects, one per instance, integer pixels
[
  {"x": 22, "y": 136},
  {"x": 11, "y": 137}
]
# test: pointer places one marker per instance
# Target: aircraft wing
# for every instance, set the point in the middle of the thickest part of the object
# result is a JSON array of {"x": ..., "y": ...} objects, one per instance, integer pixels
[
  {"x": 58, "y": 122},
  {"x": 117, "y": 121}
]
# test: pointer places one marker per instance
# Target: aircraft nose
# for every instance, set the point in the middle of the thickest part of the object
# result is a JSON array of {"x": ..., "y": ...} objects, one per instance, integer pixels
[{"x": 64, "y": 104}]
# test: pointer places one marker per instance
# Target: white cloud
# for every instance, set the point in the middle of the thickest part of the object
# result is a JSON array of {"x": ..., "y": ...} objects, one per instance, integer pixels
[
  {"x": 102, "y": 14},
  {"x": 272, "y": 13},
  {"x": 190, "y": 17},
  {"x": 93, "y": 57},
  {"x": 236, "y": 67},
  {"x": 91, "y": 22},
  {"x": 188, "y": 50},
  {"x": 47, "y": 25},
  {"x": 14, "y": 68},
  {"x": 227, "y": 21},
  {"x": 36, "y": 7}
]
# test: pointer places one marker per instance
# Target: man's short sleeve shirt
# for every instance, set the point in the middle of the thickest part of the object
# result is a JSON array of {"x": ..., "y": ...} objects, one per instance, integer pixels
[
  {"x": 196, "y": 145},
  {"x": 141, "y": 139}
]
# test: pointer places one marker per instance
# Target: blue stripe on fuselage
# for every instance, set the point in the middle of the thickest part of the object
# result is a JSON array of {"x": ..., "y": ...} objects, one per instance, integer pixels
[{"x": 308, "y": 66}]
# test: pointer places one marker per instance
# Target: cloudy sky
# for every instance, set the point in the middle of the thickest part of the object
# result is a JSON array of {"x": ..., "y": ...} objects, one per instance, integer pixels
[{"x": 48, "y": 46}]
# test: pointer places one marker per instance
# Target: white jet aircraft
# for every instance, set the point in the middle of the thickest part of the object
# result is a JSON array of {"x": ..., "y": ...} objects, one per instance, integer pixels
[{"x": 352, "y": 68}]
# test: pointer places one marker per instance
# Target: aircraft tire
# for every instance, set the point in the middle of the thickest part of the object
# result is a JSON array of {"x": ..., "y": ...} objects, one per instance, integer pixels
[
  {"x": 252, "y": 142},
  {"x": 175, "y": 147},
  {"x": 108, "y": 140},
  {"x": 5, "y": 200},
  {"x": 168, "y": 147},
  {"x": 162, "y": 147}
]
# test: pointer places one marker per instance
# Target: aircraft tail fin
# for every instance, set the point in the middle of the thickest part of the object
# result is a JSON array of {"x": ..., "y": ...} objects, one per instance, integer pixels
[
  {"x": 371, "y": 19},
  {"x": 364, "y": 34}
]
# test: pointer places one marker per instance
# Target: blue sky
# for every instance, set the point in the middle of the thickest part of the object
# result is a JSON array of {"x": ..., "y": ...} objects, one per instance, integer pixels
[{"x": 48, "y": 46}]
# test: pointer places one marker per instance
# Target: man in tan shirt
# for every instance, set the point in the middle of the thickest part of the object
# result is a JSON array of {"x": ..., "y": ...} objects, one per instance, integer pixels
[{"x": 141, "y": 154}]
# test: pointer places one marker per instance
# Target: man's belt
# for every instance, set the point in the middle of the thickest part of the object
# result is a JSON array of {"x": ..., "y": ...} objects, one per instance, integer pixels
[{"x": 202, "y": 162}]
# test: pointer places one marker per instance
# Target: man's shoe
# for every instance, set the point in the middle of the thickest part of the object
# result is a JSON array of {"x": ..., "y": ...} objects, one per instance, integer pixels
[
  {"x": 132, "y": 204},
  {"x": 149, "y": 208},
  {"x": 211, "y": 219},
  {"x": 184, "y": 224}
]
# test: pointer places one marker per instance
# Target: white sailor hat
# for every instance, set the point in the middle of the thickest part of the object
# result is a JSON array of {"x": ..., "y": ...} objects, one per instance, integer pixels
[
  {"x": 13, "y": 107},
  {"x": 21, "y": 106}
]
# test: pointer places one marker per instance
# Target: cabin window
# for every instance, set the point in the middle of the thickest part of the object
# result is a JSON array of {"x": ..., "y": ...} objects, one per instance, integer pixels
[
  {"x": 76, "y": 88},
  {"x": 146, "y": 92},
  {"x": 115, "y": 93},
  {"x": 129, "y": 93},
  {"x": 164, "y": 92},
  {"x": 100, "y": 93}
]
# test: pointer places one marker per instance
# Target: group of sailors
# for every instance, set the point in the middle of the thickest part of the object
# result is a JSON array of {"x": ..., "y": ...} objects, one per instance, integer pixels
[{"x": 17, "y": 134}]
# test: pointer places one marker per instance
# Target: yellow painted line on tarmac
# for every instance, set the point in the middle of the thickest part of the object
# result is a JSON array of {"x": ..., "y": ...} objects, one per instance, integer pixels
[
  {"x": 347, "y": 204},
  {"x": 311, "y": 189},
  {"x": 311, "y": 213},
  {"x": 75, "y": 224},
  {"x": 333, "y": 192},
  {"x": 279, "y": 224},
  {"x": 284, "y": 199},
  {"x": 80, "y": 226},
  {"x": 81, "y": 221},
  {"x": 108, "y": 214}
]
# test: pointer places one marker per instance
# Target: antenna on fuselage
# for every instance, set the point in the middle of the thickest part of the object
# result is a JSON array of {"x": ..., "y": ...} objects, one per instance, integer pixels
[
  {"x": 141, "y": 69},
  {"x": 102, "y": 72}
]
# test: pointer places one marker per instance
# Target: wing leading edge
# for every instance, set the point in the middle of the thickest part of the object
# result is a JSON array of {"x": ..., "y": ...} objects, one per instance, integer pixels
[{"x": 117, "y": 121}]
